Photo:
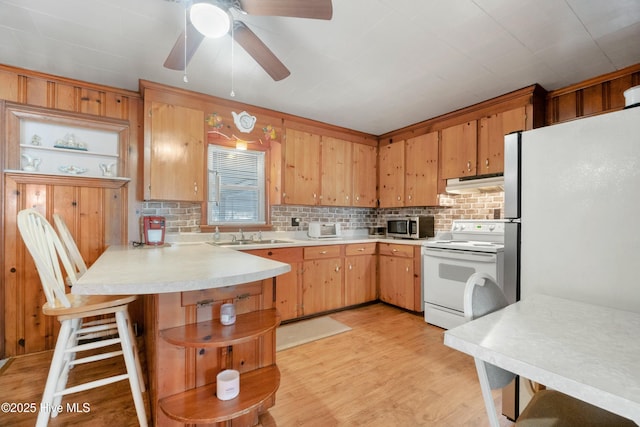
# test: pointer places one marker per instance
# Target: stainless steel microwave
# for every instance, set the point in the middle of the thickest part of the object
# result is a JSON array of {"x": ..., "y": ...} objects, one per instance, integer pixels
[{"x": 415, "y": 227}]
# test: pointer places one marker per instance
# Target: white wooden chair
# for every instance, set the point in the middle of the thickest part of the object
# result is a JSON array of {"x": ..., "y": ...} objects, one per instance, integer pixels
[
  {"x": 48, "y": 253},
  {"x": 547, "y": 408},
  {"x": 80, "y": 267}
]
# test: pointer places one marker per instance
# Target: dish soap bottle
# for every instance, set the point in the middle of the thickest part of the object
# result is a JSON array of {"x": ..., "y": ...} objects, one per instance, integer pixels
[{"x": 216, "y": 235}]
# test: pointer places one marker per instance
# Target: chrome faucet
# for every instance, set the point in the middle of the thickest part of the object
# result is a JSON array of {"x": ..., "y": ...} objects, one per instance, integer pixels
[{"x": 241, "y": 234}]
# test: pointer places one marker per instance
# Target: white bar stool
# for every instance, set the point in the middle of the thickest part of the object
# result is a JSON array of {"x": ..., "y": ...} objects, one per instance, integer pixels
[{"x": 48, "y": 253}]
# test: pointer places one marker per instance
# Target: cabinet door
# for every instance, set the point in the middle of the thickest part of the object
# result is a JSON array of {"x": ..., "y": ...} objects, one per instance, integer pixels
[
  {"x": 337, "y": 172},
  {"x": 391, "y": 175},
  {"x": 397, "y": 281},
  {"x": 360, "y": 279},
  {"x": 288, "y": 284},
  {"x": 301, "y": 184},
  {"x": 175, "y": 156},
  {"x": 365, "y": 172},
  {"x": 458, "y": 146},
  {"x": 492, "y": 130},
  {"x": 322, "y": 285},
  {"x": 421, "y": 170}
]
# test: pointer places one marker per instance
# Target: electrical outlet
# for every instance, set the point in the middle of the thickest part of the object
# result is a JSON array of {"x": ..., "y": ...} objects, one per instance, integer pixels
[{"x": 295, "y": 222}]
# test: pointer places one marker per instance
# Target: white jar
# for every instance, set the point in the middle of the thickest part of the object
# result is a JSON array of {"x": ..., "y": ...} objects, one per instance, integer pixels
[
  {"x": 228, "y": 384},
  {"x": 228, "y": 314}
]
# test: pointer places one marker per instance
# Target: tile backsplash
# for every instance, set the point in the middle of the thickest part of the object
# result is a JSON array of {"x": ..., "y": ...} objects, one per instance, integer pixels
[{"x": 185, "y": 217}]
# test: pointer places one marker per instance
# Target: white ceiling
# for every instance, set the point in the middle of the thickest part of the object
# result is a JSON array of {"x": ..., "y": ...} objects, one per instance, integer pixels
[{"x": 377, "y": 66}]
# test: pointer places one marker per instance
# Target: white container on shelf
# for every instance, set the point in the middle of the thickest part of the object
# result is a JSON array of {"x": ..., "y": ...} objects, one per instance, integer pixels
[
  {"x": 632, "y": 96},
  {"x": 228, "y": 384}
]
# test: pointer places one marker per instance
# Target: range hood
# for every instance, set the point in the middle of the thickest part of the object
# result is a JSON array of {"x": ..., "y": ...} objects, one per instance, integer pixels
[{"x": 482, "y": 184}]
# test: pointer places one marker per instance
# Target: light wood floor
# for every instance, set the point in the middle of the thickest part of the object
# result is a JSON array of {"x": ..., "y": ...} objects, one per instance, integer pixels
[{"x": 391, "y": 369}]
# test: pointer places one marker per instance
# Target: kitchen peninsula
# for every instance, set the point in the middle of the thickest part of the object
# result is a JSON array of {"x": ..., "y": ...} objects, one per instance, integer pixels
[{"x": 186, "y": 346}]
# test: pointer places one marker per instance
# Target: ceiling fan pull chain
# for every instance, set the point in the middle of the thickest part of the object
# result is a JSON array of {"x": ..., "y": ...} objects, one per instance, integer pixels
[
  {"x": 184, "y": 78},
  {"x": 233, "y": 93}
]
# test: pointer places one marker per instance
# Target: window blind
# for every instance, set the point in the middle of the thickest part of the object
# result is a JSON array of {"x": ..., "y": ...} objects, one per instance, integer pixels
[{"x": 236, "y": 186}]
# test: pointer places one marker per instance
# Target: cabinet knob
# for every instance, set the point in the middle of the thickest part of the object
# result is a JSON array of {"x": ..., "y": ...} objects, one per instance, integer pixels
[
  {"x": 337, "y": 268},
  {"x": 361, "y": 249},
  {"x": 323, "y": 252},
  {"x": 469, "y": 166},
  {"x": 350, "y": 267},
  {"x": 486, "y": 163},
  {"x": 398, "y": 197}
]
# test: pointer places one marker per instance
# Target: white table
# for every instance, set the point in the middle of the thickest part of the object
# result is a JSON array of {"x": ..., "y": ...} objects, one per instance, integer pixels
[
  {"x": 587, "y": 351},
  {"x": 124, "y": 270}
]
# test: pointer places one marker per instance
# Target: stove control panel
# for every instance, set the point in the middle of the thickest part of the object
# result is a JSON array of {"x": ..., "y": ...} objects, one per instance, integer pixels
[{"x": 478, "y": 226}]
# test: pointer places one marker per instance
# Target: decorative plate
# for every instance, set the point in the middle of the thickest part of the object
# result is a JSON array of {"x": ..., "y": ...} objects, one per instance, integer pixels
[
  {"x": 74, "y": 170},
  {"x": 244, "y": 121}
]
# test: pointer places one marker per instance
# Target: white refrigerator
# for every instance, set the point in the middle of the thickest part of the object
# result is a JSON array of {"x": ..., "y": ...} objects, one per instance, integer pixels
[{"x": 572, "y": 202}]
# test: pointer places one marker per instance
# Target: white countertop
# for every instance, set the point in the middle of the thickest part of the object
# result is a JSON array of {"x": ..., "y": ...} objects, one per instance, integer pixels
[
  {"x": 587, "y": 351},
  {"x": 292, "y": 239},
  {"x": 127, "y": 270}
]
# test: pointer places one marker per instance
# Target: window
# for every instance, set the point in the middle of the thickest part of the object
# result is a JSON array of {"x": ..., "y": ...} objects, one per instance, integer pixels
[{"x": 236, "y": 186}]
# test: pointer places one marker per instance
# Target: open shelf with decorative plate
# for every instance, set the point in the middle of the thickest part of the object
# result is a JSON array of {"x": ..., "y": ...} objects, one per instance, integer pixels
[
  {"x": 199, "y": 405},
  {"x": 45, "y": 141}
]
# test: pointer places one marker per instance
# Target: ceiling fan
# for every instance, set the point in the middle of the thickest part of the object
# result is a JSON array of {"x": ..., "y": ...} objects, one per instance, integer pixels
[{"x": 213, "y": 18}]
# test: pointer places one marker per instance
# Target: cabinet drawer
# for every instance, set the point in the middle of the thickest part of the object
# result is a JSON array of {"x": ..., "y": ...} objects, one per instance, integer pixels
[
  {"x": 287, "y": 255},
  {"x": 360, "y": 249},
  {"x": 395, "y": 250},
  {"x": 319, "y": 252},
  {"x": 208, "y": 296}
]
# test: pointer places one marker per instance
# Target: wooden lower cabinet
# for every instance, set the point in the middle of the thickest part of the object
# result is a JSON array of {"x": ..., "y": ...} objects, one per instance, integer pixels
[
  {"x": 322, "y": 279},
  {"x": 94, "y": 209},
  {"x": 330, "y": 277},
  {"x": 361, "y": 273},
  {"x": 399, "y": 275},
  {"x": 287, "y": 286}
]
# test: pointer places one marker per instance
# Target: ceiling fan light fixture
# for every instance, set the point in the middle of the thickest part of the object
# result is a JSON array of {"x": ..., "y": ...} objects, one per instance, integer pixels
[{"x": 210, "y": 20}]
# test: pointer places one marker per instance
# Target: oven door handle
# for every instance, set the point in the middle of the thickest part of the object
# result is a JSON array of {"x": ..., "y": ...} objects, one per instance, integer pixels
[{"x": 460, "y": 255}]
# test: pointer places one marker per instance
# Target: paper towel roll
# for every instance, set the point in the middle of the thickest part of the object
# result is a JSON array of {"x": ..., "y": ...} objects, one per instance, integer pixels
[{"x": 228, "y": 384}]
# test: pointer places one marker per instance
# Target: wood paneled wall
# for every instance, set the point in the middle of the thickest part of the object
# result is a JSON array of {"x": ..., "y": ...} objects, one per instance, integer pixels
[{"x": 591, "y": 97}]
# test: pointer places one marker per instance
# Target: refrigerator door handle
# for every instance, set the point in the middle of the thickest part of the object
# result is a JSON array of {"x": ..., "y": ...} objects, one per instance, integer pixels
[{"x": 512, "y": 174}]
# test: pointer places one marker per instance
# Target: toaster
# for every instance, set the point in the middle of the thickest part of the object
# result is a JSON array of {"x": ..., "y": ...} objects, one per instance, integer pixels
[{"x": 321, "y": 230}]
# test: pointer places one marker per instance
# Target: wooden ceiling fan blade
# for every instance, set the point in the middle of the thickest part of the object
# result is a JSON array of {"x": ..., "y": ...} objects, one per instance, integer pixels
[
  {"x": 176, "y": 58},
  {"x": 313, "y": 9},
  {"x": 260, "y": 52}
]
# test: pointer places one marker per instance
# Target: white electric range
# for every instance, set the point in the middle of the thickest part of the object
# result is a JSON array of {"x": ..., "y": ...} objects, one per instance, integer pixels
[{"x": 474, "y": 246}]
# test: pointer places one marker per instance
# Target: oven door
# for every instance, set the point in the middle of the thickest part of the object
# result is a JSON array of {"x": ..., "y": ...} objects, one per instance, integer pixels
[{"x": 445, "y": 273}]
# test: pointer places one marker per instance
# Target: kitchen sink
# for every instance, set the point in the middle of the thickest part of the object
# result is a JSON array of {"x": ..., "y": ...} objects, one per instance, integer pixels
[{"x": 249, "y": 242}]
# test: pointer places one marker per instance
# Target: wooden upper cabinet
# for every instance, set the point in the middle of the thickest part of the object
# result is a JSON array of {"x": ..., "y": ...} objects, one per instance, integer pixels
[
  {"x": 337, "y": 172},
  {"x": 421, "y": 170},
  {"x": 174, "y": 152},
  {"x": 391, "y": 175},
  {"x": 301, "y": 177},
  {"x": 458, "y": 150},
  {"x": 365, "y": 171},
  {"x": 491, "y": 132}
]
